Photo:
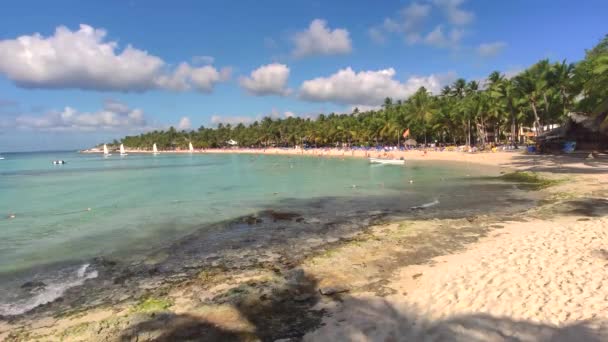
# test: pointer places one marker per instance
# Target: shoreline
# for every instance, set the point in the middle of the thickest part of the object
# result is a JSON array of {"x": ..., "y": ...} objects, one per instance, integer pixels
[
  {"x": 330, "y": 268},
  {"x": 486, "y": 158}
]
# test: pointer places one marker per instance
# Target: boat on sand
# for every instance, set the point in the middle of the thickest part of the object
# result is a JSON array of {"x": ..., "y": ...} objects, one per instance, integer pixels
[{"x": 387, "y": 161}]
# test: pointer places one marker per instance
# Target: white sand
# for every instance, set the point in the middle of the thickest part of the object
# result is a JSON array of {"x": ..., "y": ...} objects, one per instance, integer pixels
[{"x": 539, "y": 280}]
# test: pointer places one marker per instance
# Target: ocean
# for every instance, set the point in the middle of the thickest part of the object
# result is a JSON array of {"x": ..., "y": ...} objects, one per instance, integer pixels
[{"x": 54, "y": 219}]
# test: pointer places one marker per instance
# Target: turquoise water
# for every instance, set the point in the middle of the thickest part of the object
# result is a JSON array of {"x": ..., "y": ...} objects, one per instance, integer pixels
[{"x": 94, "y": 206}]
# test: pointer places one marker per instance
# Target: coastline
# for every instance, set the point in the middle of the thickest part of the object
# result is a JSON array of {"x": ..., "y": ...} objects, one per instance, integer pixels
[
  {"x": 385, "y": 268},
  {"x": 485, "y": 158}
]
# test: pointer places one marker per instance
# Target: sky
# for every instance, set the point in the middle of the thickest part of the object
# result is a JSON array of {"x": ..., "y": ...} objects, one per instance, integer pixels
[{"x": 77, "y": 73}]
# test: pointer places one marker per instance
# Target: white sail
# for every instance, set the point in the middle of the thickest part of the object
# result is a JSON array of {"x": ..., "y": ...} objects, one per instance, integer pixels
[
  {"x": 106, "y": 153},
  {"x": 122, "y": 150},
  {"x": 190, "y": 147},
  {"x": 154, "y": 149}
]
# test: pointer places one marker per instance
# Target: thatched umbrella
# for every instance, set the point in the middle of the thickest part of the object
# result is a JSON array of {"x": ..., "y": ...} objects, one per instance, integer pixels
[{"x": 410, "y": 142}]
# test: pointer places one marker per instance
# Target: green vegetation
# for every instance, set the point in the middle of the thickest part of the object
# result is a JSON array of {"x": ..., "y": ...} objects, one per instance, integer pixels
[
  {"x": 464, "y": 112},
  {"x": 530, "y": 179},
  {"x": 152, "y": 305}
]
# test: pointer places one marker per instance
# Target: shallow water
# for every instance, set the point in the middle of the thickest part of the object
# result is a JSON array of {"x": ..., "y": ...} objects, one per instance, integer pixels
[{"x": 125, "y": 207}]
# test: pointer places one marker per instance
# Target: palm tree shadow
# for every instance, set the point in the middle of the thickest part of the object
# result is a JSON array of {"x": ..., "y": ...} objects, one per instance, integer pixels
[
  {"x": 379, "y": 320},
  {"x": 284, "y": 314}
]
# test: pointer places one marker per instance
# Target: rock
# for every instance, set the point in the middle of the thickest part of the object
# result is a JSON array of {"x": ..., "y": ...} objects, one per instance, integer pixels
[
  {"x": 251, "y": 219},
  {"x": 103, "y": 262},
  {"x": 332, "y": 290},
  {"x": 302, "y": 297},
  {"x": 297, "y": 277},
  {"x": 33, "y": 285},
  {"x": 282, "y": 216}
]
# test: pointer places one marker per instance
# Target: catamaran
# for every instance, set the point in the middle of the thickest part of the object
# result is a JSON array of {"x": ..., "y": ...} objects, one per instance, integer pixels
[
  {"x": 154, "y": 149},
  {"x": 190, "y": 147},
  {"x": 122, "y": 150},
  {"x": 106, "y": 153},
  {"x": 387, "y": 161}
]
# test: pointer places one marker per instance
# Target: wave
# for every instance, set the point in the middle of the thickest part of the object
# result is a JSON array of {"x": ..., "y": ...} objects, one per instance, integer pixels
[
  {"x": 52, "y": 290},
  {"x": 426, "y": 205}
]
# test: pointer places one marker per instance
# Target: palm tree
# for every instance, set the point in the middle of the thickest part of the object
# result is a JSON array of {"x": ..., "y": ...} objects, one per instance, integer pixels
[{"x": 421, "y": 109}]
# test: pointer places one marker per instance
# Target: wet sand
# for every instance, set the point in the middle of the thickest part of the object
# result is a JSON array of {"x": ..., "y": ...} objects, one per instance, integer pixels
[{"x": 536, "y": 275}]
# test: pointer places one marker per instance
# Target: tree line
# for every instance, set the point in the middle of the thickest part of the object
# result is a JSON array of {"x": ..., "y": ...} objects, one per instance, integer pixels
[{"x": 465, "y": 112}]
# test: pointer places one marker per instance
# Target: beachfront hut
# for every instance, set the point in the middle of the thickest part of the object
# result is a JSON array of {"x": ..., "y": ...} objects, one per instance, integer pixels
[
  {"x": 589, "y": 132},
  {"x": 410, "y": 142},
  {"x": 232, "y": 142}
]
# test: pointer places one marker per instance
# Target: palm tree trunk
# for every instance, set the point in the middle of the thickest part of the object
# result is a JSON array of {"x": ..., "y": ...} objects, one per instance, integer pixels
[{"x": 536, "y": 119}]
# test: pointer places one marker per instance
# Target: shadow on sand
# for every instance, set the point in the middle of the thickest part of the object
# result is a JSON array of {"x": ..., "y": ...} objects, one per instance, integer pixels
[
  {"x": 565, "y": 163},
  {"x": 281, "y": 317}
]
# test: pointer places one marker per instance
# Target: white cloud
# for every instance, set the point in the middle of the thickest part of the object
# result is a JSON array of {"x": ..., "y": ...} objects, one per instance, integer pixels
[
  {"x": 491, "y": 49},
  {"x": 318, "y": 39},
  {"x": 363, "y": 108},
  {"x": 203, "y": 60},
  {"x": 233, "y": 120},
  {"x": 438, "y": 38},
  {"x": 184, "y": 123},
  {"x": 84, "y": 59},
  {"x": 289, "y": 114},
  {"x": 367, "y": 87},
  {"x": 376, "y": 35},
  {"x": 410, "y": 22},
  {"x": 268, "y": 79},
  {"x": 114, "y": 116},
  {"x": 414, "y": 15},
  {"x": 186, "y": 77},
  {"x": 454, "y": 13}
]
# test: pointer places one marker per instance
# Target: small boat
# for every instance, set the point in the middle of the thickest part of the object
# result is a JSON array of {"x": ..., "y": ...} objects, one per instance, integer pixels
[
  {"x": 190, "y": 147},
  {"x": 387, "y": 161},
  {"x": 154, "y": 149},
  {"x": 59, "y": 162},
  {"x": 106, "y": 153},
  {"x": 1, "y": 158},
  {"x": 122, "y": 150}
]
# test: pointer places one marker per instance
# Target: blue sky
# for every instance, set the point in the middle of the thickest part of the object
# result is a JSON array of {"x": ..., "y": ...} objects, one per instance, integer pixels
[{"x": 142, "y": 65}]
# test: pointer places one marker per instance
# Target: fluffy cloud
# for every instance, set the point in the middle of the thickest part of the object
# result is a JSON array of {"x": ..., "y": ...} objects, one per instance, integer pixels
[
  {"x": 414, "y": 15},
  {"x": 454, "y": 13},
  {"x": 368, "y": 88},
  {"x": 237, "y": 119},
  {"x": 203, "y": 60},
  {"x": 84, "y": 59},
  {"x": 376, "y": 35},
  {"x": 438, "y": 38},
  {"x": 184, "y": 123},
  {"x": 268, "y": 79},
  {"x": 409, "y": 24},
  {"x": 318, "y": 39},
  {"x": 491, "y": 49},
  {"x": 186, "y": 77},
  {"x": 233, "y": 120},
  {"x": 114, "y": 116}
]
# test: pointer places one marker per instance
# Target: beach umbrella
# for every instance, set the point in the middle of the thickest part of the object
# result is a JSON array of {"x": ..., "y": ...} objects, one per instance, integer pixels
[{"x": 410, "y": 142}]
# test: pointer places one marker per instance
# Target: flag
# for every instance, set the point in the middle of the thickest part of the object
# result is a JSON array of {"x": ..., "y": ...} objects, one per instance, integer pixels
[{"x": 406, "y": 133}]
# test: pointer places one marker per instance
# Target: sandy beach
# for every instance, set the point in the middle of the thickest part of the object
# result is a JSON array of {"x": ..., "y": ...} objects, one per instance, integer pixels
[{"x": 539, "y": 275}]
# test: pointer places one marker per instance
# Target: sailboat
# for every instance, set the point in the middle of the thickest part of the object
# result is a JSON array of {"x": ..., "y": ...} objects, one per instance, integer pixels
[
  {"x": 190, "y": 147},
  {"x": 106, "y": 153},
  {"x": 154, "y": 149},
  {"x": 122, "y": 150}
]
